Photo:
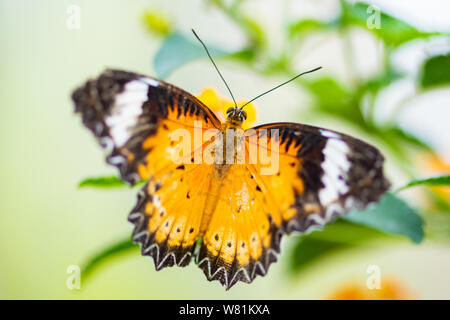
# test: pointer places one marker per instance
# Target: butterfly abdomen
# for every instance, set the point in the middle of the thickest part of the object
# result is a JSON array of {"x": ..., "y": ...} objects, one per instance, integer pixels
[{"x": 213, "y": 193}]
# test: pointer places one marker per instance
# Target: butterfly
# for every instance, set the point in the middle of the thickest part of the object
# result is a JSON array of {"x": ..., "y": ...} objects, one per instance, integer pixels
[{"x": 228, "y": 217}]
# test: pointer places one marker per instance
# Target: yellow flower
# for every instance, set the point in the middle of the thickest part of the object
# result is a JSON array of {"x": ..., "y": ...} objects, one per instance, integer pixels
[
  {"x": 436, "y": 165},
  {"x": 390, "y": 290},
  {"x": 219, "y": 105},
  {"x": 157, "y": 23}
]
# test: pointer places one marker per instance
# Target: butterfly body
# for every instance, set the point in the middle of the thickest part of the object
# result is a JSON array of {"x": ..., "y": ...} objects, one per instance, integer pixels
[
  {"x": 218, "y": 177},
  {"x": 235, "y": 118},
  {"x": 229, "y": 213}
]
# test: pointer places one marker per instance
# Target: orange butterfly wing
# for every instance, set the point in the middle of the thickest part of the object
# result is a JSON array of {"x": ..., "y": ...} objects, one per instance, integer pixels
[
  {"x": 320, "y": 174},
  {"x": 134, "y": 116},
  {"x": 168, "y": 214},
  {"x": 241, "y": 239}
]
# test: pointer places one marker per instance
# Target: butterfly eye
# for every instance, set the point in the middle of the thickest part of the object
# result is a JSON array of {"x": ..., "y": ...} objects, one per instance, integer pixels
[
  {"x": 230, "y": 110},
  {"x": 244, "y": 114}
]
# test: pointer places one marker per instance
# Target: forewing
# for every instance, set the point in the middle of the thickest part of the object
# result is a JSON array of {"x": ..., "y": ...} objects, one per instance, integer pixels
[
  {"x": 133, "y": 116},
  {"x": 322, "y": 174}
]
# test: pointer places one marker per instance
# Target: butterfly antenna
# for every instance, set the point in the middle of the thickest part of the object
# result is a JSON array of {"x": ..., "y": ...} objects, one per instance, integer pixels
[
  {"x": 280, "y": 85},
  {"x": 215, "y": 66}
]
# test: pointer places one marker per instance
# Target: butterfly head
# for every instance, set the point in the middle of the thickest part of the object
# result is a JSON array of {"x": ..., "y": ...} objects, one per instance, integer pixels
[{"x": 236, "y": 115}]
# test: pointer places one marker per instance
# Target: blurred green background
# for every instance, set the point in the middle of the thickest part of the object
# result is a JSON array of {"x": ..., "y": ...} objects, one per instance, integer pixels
[{"x": 389, "y": 86}]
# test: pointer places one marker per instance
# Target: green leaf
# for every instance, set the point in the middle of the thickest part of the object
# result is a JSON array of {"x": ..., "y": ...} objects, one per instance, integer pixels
[
  {"x": 391, "y": 215},
  {"x": 329, "y": 93},
  {"x": 118, "y": 249},
  {"x": 177, "y": 50},
  {"x": 106, "y": 182},
  {"x": 436, "y": 71},
  {"x": 433, "y": 181},
  {"x": 333, "y": 99},
  {"x": 305, "y": 26},
  {"x": 386, "y": 78},
  {"x": 103, "y": 182},
  {"x": 309, "y": 250},
  {"x": 391, "y": 30},
  {"x": 338, "y": 236},
  {"x": 398, "y": 133},
  {"x": 254, "y": 31},
  {"x": 245, "y": 55},
  {"x": 409, "y": 137}
]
